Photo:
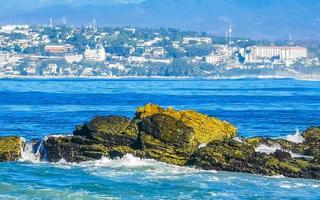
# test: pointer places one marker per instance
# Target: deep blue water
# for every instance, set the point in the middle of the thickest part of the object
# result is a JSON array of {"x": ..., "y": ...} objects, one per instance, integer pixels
[{"x": 266, "y": 107}]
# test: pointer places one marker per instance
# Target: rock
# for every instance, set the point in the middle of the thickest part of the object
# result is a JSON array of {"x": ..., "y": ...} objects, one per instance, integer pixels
[
  {"x": 282, "y": 155},
  {"x": 10, "y": 148},
  {"x": 168, "y": 129},
  {"x": 226, "y": 155},
  {"x": 73, "y": 149},
  {"x": 171, "y": 136},
  {"x": 241, "y": 157},
  {"x": 312, "y": 136},
  {"x": 205, "y": 129},
  {"x": 158, "y": 150},
  {"x": 110, "y": 130},
  {"x": 185, "y": 138},
  {"x": 312, "y": 141}
]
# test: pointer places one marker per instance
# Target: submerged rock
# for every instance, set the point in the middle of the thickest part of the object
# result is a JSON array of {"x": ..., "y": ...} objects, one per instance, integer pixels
[{"x": 10, "y": 148}]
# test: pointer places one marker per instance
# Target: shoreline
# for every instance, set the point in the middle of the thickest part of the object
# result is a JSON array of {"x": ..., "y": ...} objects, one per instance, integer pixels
[{"x": 302, "y": 78}]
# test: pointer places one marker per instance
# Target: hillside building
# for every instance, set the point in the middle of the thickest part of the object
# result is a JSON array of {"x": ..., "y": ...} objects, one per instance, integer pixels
[{"x": 95, "y": 55}]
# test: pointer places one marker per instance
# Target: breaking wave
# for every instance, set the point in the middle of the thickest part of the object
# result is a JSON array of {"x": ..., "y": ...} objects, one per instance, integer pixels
[{"x": 295, "y": 138}]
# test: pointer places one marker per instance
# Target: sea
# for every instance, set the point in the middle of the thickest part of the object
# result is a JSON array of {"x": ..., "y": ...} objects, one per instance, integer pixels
[{"x": 35, "y": 108}]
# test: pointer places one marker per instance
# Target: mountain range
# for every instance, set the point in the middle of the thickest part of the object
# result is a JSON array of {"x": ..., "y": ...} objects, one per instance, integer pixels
[{"x": 269, "y": 19}]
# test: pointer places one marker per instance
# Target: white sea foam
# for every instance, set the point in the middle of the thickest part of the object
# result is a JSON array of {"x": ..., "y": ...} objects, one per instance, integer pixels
[
  {"x": 289, "y": 184},
  {"x": 202, "y": 146},
  {"x": 28, "y": 155},
  {"x": 277, "y": 176},
  {"x": 238, "y": 139},
  {"x": 262, "y": 148},
  {"x": 296, "y": 155},
  {"x": 129, "y": 164},
  {"x": 295, "y": 138}
]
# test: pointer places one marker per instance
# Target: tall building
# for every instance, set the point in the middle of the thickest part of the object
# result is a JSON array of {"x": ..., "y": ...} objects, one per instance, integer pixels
[
  {"x": 288, "y": 53},
  {"x": 95, "y": 55}
]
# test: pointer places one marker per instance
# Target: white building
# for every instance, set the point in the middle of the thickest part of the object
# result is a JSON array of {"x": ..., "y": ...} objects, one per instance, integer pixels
[
  {"x": 10, "y": 28},
  {"x": 222, "y": 54},
  {"x": 212, "y": 59},
  {"x": 286, "y": 53},
  {"x": 95, "y": 55},
  {"x": 198, "y": 40},
  {"x": 73, "y": 58},
  {"x": 155, "y": 51},
  {"x": 141, "y": 59}
]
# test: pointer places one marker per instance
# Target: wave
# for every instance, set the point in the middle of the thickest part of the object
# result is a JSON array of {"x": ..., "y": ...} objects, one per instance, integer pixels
[
  {"x": 262, "y": 148},
  {"x": 295, "y": 138},
  {"x": 35, "y": 152},
  {"x": 30, "y": 152}
]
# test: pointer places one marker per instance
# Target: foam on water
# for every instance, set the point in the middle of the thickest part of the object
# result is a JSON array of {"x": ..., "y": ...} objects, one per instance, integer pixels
[
  {"x": 262, "y": 148},
  {"x": 295, "y": 138},
  {"x": 29, "y": 153},
  {"x": 130, "y": 162}
]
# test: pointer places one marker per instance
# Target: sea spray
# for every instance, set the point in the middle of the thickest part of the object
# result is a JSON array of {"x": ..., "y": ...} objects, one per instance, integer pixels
[
  {"x": 295, "y": 138},
  {"x": 33, "y": 151}
]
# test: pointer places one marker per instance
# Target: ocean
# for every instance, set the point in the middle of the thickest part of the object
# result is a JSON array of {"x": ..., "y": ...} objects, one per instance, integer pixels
[{"x": 34, "y": 108}]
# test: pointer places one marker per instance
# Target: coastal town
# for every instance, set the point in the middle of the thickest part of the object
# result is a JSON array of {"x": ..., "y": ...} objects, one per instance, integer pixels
[{"x": 90, "y": 51}]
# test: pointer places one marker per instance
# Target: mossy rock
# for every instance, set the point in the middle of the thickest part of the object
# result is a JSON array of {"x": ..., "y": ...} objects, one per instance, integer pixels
[
  {"x": 205, "y": 128},
  {"x": 312, "y": 136},
  {"x": 227, "y": 155},
  {"x": 164, "y": 152},
  {"x": 10, "y": 148},
  {"x": 73, "y": 149},
  {"x": 110, "y": 130},
  {"x": 168, "y": 130},
  {"x": 312, "y": 141}
]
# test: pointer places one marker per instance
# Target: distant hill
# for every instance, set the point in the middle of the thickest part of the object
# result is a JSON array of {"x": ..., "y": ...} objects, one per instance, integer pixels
[{"x": 271, "y": 19}]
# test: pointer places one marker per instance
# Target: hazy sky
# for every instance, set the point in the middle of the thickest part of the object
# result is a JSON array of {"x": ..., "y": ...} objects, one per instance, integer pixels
[
  {"x": 254, "y": 18},
  {"x": 13, "y": 5}
]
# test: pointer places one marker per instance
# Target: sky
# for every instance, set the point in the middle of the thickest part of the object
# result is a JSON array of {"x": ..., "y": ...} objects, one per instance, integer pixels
[{"x": 270, "y": 19}]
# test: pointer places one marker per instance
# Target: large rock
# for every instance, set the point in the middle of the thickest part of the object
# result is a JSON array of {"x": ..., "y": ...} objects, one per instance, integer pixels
[
  {"x": 180, "y": 138},
  {"x": 171, "y": 136},
  {"x": 204, "y": 128},
  {"x": 10, "y": 148}
]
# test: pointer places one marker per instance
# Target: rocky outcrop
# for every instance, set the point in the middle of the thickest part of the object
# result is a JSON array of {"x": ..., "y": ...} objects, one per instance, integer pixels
[
  {"x": 204, "y": 128},
  {"x": 10, "y": 148},
  {"x": 185, "y": 138},
  {"x": 163, "y": 134},
  {"x": 238, "y": 156}
]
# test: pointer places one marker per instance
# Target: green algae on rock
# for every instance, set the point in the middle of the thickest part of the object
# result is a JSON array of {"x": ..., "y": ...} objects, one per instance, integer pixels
[
  {"x": 110, "y": 130},
  {"x": 205, "y": 128},
  {"x": 10, "y": 148}
]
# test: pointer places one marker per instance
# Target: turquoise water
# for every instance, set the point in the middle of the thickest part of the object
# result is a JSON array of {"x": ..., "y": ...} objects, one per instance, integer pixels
[{"x": 266, "y": 107}]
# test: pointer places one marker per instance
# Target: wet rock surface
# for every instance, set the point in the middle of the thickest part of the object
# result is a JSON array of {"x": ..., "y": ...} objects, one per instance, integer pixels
[
  {"x": 10, "y": 148},
  {"x": 185, "y": 138}
]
